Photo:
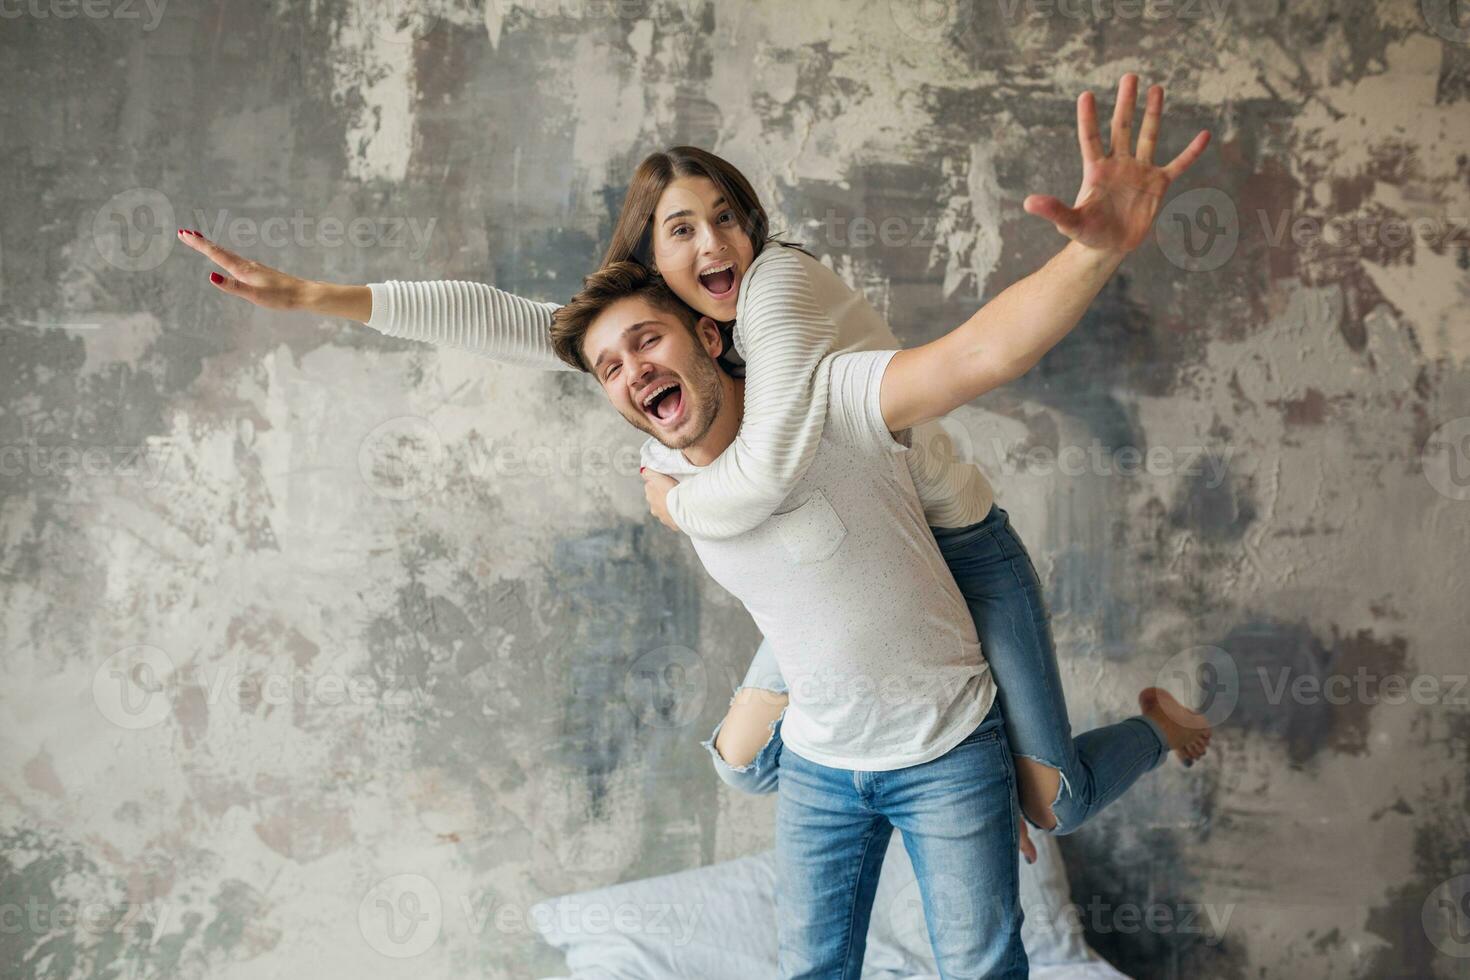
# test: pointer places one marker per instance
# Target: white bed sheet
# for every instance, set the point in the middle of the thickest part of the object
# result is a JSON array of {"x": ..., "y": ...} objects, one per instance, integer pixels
[{"x": 719, "y": 922}]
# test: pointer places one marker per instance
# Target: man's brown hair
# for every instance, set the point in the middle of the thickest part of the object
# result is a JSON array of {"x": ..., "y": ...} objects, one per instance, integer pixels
[{"x": 620, "y": 280}]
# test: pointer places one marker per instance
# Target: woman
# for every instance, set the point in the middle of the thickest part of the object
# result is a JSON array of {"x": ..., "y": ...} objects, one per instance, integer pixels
[{"x": 695, "y": 220}]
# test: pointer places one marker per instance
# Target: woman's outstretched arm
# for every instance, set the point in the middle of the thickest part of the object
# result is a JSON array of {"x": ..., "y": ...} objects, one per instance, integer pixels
[
  {"x": 469, "y": 315},
  {"x": 783, "y": 331},
  {"x": 452, "y": 313}
]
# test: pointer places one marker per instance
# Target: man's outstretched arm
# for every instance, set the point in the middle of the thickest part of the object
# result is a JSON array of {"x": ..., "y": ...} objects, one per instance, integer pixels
[{"x": 1115, "y": 209}]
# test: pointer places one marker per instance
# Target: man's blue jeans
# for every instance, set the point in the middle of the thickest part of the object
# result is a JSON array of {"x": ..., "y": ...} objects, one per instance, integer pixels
[
  {"x": 995, "y": 575},
  {"x": 957, "y": 814}
]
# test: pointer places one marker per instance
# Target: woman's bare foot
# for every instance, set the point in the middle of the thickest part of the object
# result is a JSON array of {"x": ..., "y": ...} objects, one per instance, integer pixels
[
  {"x": 1187, "y": 731},
  {"x": 1028, "y": 849}
]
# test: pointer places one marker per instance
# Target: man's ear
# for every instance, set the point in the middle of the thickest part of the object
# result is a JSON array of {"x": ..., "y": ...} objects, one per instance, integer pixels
[{"x": 708, "y": 332}]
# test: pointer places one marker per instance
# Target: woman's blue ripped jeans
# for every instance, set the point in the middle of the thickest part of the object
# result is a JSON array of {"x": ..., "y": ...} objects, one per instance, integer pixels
[
  {"x": 995, "y": 575},
  {"x": 761, "y": 774}
]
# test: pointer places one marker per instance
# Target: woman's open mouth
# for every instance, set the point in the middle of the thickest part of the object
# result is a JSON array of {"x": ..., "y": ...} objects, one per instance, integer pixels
[
  {"x": 719, "y": 280},
  {"x": 664, "y": 403}
]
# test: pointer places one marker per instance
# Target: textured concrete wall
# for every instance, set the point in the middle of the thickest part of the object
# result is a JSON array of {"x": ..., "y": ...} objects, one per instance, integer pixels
[{"x": 292, "y": 610}]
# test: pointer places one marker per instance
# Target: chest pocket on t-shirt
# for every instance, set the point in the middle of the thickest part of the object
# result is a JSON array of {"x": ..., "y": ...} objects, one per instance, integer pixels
[{"x": 811, "y": 532}]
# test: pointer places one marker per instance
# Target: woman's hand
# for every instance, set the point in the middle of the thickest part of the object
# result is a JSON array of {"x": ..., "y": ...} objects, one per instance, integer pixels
[
  {"x": 656, "y": 487},
  {"x": 275, "y": 290},
  {"x": 248, "y": 279},
  {"x": 1122, "y": 190}
]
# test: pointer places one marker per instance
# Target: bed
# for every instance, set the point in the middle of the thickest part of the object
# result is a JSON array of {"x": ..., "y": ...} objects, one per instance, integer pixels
[{"x": 719, "y": 922}]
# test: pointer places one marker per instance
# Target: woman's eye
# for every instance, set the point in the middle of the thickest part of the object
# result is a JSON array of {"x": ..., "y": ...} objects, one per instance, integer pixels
[
  {"x": 680, "y": 229},
  {"x": 649, "y": 342},
  {"x": 727, "y": 214},
  {"x": 610, "y": 372}
]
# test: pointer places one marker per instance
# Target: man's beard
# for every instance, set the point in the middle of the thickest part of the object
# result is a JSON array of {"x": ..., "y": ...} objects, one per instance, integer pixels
[{"x": 705, "y": 394}]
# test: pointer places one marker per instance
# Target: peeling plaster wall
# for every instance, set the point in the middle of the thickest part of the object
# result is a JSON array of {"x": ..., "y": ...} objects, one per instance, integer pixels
[{"x": 292, "y": 610}]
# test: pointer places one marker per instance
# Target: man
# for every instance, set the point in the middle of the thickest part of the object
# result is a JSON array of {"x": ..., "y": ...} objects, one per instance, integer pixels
[{"x": 893, "y": 719}]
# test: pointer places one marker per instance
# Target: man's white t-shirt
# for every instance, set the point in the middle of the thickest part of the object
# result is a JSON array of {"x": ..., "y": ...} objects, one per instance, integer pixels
[{"x": 847, "y": 583}]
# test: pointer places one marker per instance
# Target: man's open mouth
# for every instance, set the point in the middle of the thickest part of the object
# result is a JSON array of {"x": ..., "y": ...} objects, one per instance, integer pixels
[
  {"x": 664, "y": 402},
  {"x": 719, "y": 280}
]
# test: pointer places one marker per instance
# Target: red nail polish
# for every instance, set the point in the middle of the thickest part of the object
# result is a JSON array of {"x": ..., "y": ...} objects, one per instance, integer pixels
[
  {"x": 216, "y": 277},
  {"x": 181, "y": 231}
]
